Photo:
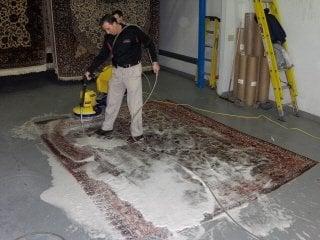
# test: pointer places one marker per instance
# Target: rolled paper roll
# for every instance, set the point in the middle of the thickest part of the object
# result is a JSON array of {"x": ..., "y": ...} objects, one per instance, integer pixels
[
  {"x": 258, "y": 49},
  {"x": 264, "y": 81},
  {"x": 236, "y": 75},
  {"x": 242, "y": 78},
  {"x": 252, "y": 77},
  {"x": 249, "y": 33},
  {"x": 241, "y": 41}
]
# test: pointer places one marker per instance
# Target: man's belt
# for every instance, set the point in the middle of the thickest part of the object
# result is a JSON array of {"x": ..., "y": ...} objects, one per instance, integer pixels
[{"x": 126, "y": 65}]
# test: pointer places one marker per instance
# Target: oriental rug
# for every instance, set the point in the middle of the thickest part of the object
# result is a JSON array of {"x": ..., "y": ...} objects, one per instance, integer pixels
[
  {"x": 185, "y": 161},
  {"x": 78, "y": 36},
  {"x": 22, "y": 40}
]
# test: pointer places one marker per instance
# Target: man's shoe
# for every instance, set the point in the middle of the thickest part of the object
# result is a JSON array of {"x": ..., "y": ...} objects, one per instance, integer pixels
[
  {"x": 136, "y": 139},
  {"x": 103, "y": 133}
]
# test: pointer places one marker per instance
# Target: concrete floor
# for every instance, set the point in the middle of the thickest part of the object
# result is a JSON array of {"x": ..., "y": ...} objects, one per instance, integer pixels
[{"x": 25, "y": 172}]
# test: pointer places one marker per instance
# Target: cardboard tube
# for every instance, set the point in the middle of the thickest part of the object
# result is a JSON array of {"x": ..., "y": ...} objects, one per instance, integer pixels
[
  {"x": 251, "y": 76},
  {"x": 236, "y": 75},
  {"x": 264, "y": 83},
  {"x": 240, "y": 50},
  {"x": 249, "y": 33},
  {"x": 242, "y": 77},
  {"x": 258, "y": 80},
  {"x": 241, "y": 41},
  {"x": 258, "y": 49}
]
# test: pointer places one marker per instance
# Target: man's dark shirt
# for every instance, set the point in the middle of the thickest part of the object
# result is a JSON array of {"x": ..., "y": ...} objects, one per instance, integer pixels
[
  {"x": 277, "y": 33},
  {"x": 126, "y": 49}
]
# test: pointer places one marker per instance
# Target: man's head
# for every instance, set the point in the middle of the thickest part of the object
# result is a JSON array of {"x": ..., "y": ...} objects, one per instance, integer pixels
[
  {"x": 110, "y": 25},
  {"x": 118, "y": 14}
]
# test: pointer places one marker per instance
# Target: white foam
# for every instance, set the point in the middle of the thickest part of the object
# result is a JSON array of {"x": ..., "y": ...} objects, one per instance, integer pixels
[
  {"x": 67, "y": 194},
  {"x": 29, "y": 130},
  {"x": 263, "y": 218},
  {"x": 161, "y": 194},
  {"x": 105, "y": 144}
]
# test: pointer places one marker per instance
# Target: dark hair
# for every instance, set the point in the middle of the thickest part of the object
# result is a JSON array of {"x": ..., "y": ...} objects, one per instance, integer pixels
[
  {"x": 118, "y": 12},
  {"x": 107, "y": 18}
]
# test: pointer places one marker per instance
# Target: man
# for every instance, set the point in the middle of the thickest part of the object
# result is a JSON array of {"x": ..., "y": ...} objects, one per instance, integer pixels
[
  {"x": 278, "y": 38},
  {"x": 123, "y": 44},
  {"x": 118, "y": 14}
]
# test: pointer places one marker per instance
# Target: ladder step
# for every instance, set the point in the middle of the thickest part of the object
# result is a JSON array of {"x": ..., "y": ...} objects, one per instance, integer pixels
[
  {"x": 208, "y": 46},
  {"x": 212, "y": 18},
  {"x": 278, "y": 85},
  {"x": 209, "y": 31},
  {"x": 208, "y": 60}
]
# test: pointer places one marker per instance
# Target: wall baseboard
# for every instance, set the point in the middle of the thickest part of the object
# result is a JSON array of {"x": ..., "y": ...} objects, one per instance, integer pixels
[
  {"x": 178, "y": 56},
  {"x": 182, "y": 74}
]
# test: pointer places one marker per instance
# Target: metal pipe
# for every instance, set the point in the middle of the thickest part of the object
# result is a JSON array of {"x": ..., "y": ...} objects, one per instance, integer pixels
[{"x": 201, "y": 43}]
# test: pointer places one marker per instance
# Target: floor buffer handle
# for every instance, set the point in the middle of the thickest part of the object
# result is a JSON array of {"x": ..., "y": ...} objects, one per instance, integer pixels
[{"x": 83, "y": 92}]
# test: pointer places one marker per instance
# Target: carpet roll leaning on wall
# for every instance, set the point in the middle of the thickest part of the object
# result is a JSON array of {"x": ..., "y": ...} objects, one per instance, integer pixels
[
  {"x": 78, "y": 36},
  {"x": 22, "y": 38}
]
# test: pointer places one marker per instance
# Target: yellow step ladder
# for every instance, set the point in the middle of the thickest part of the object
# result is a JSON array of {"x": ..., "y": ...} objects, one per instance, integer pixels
[
  {"x": 212, "y": 42},
  {"x": 259, "y": 6}
]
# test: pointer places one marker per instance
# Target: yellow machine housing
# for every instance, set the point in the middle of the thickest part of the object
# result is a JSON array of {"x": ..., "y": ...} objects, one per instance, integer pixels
[
  {"x": 90, "y": 101},
  {"x": 103, "y": 79},
  {"x": 88, "y": 106}
]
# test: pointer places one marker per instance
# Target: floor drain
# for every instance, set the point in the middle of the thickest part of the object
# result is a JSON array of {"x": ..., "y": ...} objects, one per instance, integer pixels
[{"x": 40, "y": 236}]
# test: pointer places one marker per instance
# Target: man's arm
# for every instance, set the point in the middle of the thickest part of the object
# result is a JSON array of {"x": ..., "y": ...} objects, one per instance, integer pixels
[
  {"x": 101, "y": 57},
  {"x": 149, "y": 44}
]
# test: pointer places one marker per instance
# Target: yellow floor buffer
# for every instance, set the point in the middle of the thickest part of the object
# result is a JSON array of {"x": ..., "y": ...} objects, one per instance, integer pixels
[{"x": 91, "y": 102}]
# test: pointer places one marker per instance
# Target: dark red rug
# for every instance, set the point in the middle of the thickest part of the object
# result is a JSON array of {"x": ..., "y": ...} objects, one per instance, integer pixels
[{"x": 184, "y": 156}]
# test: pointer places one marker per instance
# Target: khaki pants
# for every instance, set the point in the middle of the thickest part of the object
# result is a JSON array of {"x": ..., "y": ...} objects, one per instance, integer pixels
[{"x": 122, "y": 79}]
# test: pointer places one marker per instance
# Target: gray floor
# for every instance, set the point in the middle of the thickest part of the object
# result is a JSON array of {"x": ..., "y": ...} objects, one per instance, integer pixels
[{"x": 25, "y": 173}]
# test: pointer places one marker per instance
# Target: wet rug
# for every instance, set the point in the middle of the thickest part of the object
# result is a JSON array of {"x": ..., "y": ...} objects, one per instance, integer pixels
[{"x": 168, "y": 183}]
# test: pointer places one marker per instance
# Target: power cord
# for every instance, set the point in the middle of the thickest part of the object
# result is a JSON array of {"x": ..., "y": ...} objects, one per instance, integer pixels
[
  {"x": 261, "y": 116},
  {"x": 147, "y": 99},
  {"x": 56, "y": 236}
]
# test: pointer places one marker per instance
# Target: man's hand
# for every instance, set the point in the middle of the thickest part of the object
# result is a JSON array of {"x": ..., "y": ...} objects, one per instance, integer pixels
[
  {"x": 156, "y": 68},
  {"x": 88, "y": 76}
]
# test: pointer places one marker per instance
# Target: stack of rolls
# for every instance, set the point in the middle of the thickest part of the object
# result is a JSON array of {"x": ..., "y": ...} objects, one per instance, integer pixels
[{"x": 251, "y": 71}]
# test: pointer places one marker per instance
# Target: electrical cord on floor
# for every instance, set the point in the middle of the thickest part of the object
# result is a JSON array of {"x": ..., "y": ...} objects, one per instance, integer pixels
[
  {"x": 225, "y": 211},
  {"x": 56, "y": 236},
  {"x": 147, "y": 99},
  {"x": 233, "y": 116},
  {"x": 242, "y": 117},
  {"x": 212, "y": 193},
  {"x": 148, "y": 80},
  {"x": 261, "y": 116}
]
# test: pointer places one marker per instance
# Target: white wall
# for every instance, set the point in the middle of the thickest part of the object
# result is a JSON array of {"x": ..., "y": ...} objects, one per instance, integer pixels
[
  {"x": 214, "y": 8},
  {"x": 179, "y": 30},
  {"x": 301, "y": 21},
  {"x": 232, "y": 17}
]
